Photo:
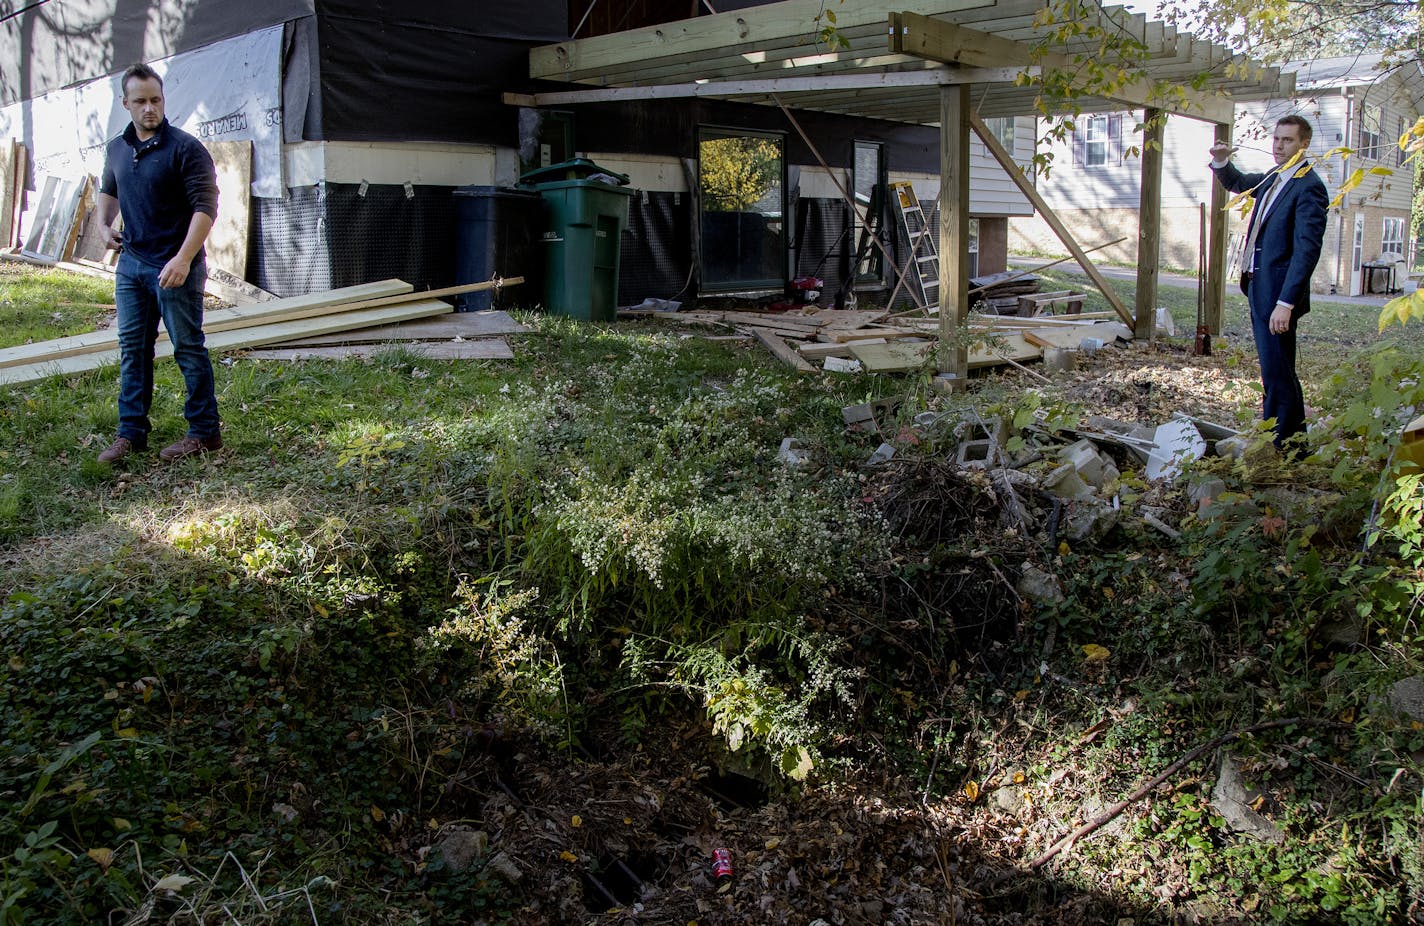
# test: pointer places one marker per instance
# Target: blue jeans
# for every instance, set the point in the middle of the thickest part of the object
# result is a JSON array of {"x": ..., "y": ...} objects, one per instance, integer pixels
[{"x": 140, "y": 303}]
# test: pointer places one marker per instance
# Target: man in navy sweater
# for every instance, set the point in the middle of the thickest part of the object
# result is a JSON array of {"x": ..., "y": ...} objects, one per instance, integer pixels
[
  {"x": 1283, "y": 243},
  {"x": 163, "y": 182}
]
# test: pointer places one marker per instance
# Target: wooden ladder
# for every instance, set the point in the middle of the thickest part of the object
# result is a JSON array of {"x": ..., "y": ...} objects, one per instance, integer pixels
[{"x": 922, "y": 243}]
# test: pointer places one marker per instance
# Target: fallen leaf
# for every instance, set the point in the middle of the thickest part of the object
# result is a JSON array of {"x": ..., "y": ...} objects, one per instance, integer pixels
[
  {"x": 173, "y": 883},
  {"x": 377, "y": 813},
  {"x": 568, "y": 856},
  {"x": 1094, "y": 654},
  {"x": 971, "y": 790},
  {"x": 576, "y": 821},
  {"x": 104, "y": 857}
]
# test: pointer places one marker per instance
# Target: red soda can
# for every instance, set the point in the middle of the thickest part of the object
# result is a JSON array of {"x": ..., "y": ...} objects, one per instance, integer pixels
[{"x": 722, "y": 863}]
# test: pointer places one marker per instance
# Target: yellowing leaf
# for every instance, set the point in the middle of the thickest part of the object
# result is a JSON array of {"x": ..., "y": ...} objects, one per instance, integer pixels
[
  {"x": 772, "y": 843},
  {"x": 1095, "y": 654},
  {"x": 103, "y": 857},
  {"x": 971, "y": 790},
  {"x": 1382, "y": 171},
  {"x": 576, "y": 821},
  {"x": 796, "y": 762},
  {"x": 121, "y": 824},
  {"x": 627, "y": 821},
  {"x": 377, "y": 813},
  {"x": 127, "y": 733},
  {"x": 1356, "y": 178},
  {"x": 568, "y": 856}
]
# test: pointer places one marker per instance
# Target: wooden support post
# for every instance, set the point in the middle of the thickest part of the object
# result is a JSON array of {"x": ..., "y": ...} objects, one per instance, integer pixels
[
  {"x": 1149, "y": 223},
  {"x": 1016, "y": 174},
  {"x": 1216, "y": 247},
  {"x": 954, "y": 115}
]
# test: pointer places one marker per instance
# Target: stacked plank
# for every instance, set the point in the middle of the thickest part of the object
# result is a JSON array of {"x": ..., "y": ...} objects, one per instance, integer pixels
[
  {"x": 337, "y": 312},
  {"x": 999, "y": 293}
]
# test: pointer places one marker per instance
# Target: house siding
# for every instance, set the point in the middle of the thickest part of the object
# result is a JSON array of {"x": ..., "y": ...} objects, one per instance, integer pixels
[{"x": 1100, "y": 203}]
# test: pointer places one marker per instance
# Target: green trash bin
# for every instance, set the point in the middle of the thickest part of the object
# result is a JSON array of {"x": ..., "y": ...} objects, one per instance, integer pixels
[{"x": 584, "y": 239}]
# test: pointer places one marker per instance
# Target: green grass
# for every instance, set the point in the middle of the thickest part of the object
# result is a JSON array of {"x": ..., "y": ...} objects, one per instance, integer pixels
[
  {"x": 40, "y": 305},
  {"x": 1331, "y": 333},
  {"x": 278, "y": 653}
]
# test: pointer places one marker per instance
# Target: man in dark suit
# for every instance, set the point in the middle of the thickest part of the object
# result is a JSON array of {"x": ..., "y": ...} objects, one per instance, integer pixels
[{"x": 1283, "y": 243}]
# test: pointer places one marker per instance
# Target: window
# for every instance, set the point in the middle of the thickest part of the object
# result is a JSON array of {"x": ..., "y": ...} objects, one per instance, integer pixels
[
  {"x": 1003, "y": 129},
  {"x": 1097, "y": 140},
  {"x": 741, "y": 178},
  {"x": 973, "y": 247},
  {"x": 869, "y": 180},
  {"x": 1369, "y": 131},
  {"x": 1095, "y": 144},
  {"x": 1392, "y": 241}
]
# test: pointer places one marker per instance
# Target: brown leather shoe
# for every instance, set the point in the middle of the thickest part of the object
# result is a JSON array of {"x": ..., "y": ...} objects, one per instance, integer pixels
[
  {"x": 190, "y": 446},
  {"x": 119, "y": 449}
]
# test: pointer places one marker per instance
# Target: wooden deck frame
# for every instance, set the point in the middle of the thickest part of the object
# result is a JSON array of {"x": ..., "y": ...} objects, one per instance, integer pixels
[{"x": 758, "y": 54}]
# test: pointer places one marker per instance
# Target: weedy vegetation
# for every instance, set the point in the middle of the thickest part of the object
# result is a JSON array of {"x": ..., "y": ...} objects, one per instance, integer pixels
[{"x": 256, "y": 685}]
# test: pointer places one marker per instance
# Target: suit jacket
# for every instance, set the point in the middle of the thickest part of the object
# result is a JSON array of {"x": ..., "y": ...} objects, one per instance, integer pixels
[{"x": 1289, "y": 240}]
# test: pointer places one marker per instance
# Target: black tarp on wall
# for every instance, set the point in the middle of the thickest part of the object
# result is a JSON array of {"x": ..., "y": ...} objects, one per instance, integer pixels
[
  {"x": 55, "y": 43},
  {"x": 427, "y": 70}
]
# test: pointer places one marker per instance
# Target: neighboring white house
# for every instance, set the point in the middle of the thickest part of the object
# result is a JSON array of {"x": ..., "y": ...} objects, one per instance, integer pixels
[{"x": 1351, "y": 102}]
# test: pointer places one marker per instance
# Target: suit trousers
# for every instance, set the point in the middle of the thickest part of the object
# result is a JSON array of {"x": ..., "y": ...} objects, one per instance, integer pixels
[{"x": 1284, "y": 401}]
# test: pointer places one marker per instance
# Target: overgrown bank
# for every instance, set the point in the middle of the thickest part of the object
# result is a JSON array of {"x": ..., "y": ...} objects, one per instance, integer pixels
[{"x": 536, "y": 601}]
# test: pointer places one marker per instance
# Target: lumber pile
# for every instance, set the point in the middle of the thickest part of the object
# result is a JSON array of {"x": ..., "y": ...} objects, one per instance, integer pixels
[
  {"x": 390, "y": 310},
  {"x": 1001, "y": 293},
  {"x": 877, "y": 342}
]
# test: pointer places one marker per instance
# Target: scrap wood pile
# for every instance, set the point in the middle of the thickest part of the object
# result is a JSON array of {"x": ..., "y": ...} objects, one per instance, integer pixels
[
  {"x": 349, "y": 322},
  {"x": 880, "y": 342},
  {"x": 998, "y": 293}
]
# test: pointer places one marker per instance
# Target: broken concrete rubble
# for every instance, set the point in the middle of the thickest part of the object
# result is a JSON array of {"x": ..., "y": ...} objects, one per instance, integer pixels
[
  {"x": 1039, "y": 585},
  {"x": 1235, "y": 802},
  {"x": 883, "y": 454},
  {"x": 791, "y": 454}
]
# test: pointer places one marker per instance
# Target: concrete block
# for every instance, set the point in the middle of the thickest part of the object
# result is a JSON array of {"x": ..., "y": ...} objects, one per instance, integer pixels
[
  {"x": 977, "y": 453},
  {"x": 1092, "y": 465},
  {"x": 883, "y": 454},
  {"x": 1065, "y": 482}
]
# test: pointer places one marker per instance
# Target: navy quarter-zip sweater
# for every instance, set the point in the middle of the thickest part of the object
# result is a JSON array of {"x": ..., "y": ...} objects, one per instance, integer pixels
[{"x": 159, "y": 183}]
